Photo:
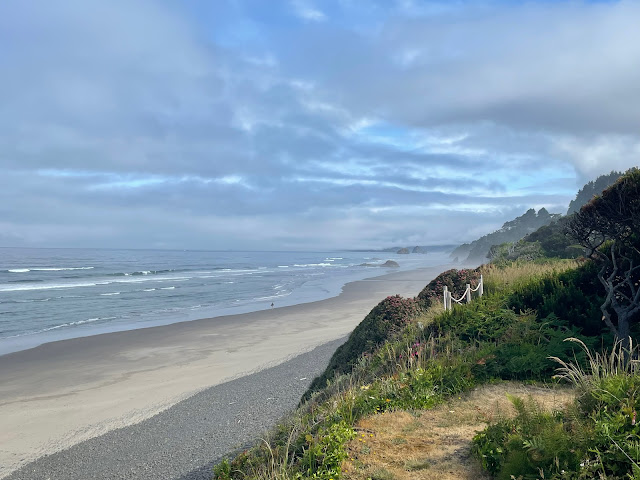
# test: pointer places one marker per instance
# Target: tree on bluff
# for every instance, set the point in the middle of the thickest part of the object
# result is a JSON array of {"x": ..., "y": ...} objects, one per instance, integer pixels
[{"x": 609, "y": 228}]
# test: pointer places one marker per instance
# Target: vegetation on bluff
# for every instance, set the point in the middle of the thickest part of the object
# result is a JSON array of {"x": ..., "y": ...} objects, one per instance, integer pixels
[
  {"x": 511, "y": 231},
  {"x": 426, "y": 358},
  {"x": 535, "y": 235},
  {"x": 410, "y": 354},
  {"x": 608, "y": 227},
  {"x": 591, "y": 189}
]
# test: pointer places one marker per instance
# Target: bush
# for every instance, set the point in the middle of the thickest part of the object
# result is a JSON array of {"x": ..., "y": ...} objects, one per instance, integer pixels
[
  {"x": 455, "y": 280},
  {"x": 521, "y": 250},
  {"x": 554, "y": 242},
  {"x": 386, "y": 319},
  {"x": 574, "y": 296},
  {"x": 535, "y": 444},
  {"x": 596, "y": 437}
]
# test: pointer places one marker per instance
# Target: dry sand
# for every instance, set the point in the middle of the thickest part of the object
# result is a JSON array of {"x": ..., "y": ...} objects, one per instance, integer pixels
[{"x": 61, "y": 393}]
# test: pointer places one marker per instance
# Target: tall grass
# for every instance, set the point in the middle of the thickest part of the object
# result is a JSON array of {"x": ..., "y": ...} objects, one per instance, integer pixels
[
  {"x": 600, "y": 365},
  {"x": 517, "y": 274}
]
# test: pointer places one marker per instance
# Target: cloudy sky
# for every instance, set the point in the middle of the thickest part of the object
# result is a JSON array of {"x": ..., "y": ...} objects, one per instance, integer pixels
[{"x": 305, "y": 124}]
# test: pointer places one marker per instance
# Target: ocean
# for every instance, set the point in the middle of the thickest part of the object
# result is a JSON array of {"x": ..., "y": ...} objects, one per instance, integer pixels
[{"x": 55, "y": 294}]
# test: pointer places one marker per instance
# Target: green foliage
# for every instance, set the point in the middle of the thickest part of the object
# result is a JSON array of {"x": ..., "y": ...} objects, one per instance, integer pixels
[
  {"x": 454, "y": 280},
  {"x": 596, "y": 437},
  {"x": 392, "y": 362},
  {"x": 591, "y": 189},
  {"x": 509, "y": 345},
  {"x": 386, "y": 319},
  {"x": 325, "y": 452},
  {"x": 510, "y": 232},
  {"x": 554, "y": 241},
  {"x": 608, "y": 227},
  {"x": 509, "y": 252},
  {"x": 534, "y": 444},
  {"x": 574, "y": 296}
]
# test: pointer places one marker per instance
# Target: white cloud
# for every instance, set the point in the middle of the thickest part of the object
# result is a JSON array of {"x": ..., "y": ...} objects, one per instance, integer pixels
[
  {"x": 599, "y": 154},
  {"x": 305, "y": 10},
  {"x": 397, "y": 118}
]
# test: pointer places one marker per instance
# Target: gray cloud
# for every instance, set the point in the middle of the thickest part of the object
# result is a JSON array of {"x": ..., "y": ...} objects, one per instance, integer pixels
[{"x": 356, "y": 124}]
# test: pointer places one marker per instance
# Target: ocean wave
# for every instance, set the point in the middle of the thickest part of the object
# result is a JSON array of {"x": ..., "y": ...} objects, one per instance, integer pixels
[
  {"x": 46, "y": 269},
  {"x": 168, "y": 288},
  {"x": 39, "y": 300},
  {"x": 271, "y": 297},
  {"x": 313, "y": 265},
  {"x": 109, "y": 294},
  {"x": 53, "y": 286},
  {"x": 140, "y": 273},
  {"x": 63, "y": 325},
  {"x": 16, "y": 288}
]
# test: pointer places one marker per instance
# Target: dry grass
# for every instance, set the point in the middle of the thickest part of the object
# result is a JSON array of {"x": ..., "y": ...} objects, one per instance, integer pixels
[
  {"x": 436, "y": 444},
  {"x": 518, "y": 273}
]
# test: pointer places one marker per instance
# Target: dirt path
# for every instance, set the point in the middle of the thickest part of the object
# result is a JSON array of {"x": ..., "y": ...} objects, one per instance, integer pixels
[{"x": 436, "y": 444}]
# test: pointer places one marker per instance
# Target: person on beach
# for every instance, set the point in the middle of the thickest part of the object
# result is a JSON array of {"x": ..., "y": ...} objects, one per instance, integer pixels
[{"x": 271, "y": 304}]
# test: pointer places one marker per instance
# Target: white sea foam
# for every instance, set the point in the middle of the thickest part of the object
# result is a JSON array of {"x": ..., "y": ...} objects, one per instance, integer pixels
[
  {"x": 271, "y": 297},
  {"x": 14, "y": 288},
  {"x": 59, "y": 269},
  {"x": 313, "y": 265},
  {"x": 109, "y": 294},
  {"x": 167, "y": 288},
  {"x": 46, "y": 269},
  {"x": 63, "y": 325}
]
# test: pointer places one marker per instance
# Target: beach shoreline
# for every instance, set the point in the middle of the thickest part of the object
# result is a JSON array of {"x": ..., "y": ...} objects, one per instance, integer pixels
[{"x": 61, "y": 393}]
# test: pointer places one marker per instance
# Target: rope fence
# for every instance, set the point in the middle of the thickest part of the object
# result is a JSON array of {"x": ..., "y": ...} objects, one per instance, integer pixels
[{"x": 448, "y": 297}]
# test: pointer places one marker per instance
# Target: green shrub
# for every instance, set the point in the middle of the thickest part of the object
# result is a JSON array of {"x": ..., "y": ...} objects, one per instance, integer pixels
[
  {"x": 391, "y": 361},
  {"x": 596, "y": 437},
  {"x": 385, "y": 319},
  {"x": 574, "y": 296},
  {"x": 325, "y": 452},
  {"x": 455, "y": 280},
  {"x": 535, "y": 444},
  {"x": 509, "y": 252}
]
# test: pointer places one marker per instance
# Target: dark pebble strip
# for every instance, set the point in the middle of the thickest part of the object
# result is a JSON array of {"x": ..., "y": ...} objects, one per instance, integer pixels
[{"x": 186, "y": 440}]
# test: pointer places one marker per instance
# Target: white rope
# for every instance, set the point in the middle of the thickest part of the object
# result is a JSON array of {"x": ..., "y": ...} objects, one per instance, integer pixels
[
  {"x": 460, "y": 300},
  {"x": 448, "y": 298}
]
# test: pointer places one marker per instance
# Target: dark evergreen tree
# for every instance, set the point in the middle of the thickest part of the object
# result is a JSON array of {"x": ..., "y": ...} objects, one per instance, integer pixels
[
  {"x": 591, "y": 189},
  {"x": 608, "y": 227}
]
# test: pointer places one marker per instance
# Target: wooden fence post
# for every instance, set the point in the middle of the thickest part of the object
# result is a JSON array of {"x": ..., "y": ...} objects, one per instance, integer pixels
[
  {"x": 468, "y": 293},
  {"x": 445, "y": 297}
]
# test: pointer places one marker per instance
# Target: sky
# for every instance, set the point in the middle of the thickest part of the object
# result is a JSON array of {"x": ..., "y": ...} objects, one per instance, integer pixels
[{"x": 305, "y": 124}]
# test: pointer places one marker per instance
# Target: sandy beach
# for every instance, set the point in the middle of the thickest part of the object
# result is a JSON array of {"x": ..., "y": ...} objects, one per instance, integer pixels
[{"x": 62, "y": 393}]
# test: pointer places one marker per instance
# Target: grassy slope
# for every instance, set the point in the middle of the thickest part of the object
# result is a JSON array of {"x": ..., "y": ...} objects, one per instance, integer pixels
[{"x": 422, "y": 361}]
